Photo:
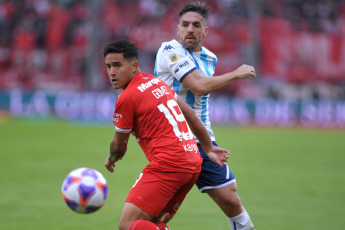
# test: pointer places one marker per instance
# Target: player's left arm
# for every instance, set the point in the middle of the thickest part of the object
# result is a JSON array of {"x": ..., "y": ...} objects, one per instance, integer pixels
[
  {"x": 216, "y": 154},
  {"x": 118, "y": 148}
]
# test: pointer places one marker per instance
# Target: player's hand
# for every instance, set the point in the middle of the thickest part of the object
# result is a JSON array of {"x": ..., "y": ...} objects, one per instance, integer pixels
[
  {"x": 218, "y": 155},
  {"x": 109, "y": 165},
  {"x": 245, "y": 71}
]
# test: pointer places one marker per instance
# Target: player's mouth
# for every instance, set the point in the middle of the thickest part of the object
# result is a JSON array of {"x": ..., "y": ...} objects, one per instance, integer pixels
[
  {"x": 113, "y": 81},
  {"x": 190, "y": 38}
]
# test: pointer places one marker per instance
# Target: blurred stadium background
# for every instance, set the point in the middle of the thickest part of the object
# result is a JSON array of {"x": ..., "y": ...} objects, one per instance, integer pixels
[
  {"x": 51, "y": 62},
  {"x": 56, "y": 108}
]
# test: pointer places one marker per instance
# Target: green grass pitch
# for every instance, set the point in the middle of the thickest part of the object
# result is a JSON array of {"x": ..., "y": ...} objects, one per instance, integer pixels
[{"x": 287, "y": 178}]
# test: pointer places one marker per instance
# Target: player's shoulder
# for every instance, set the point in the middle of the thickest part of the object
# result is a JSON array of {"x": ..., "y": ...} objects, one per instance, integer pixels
[
  {"x": 208, "y": 52},
  {"x": 170, "y": 47},
  {"x": 142, "y": 82}
]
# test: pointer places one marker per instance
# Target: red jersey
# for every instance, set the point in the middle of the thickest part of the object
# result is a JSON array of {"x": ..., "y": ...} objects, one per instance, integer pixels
[{"x": 148, "y": 109}]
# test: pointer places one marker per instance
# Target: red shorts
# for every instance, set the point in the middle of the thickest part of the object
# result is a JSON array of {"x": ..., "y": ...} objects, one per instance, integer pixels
[{"x": 156, "y": 192}]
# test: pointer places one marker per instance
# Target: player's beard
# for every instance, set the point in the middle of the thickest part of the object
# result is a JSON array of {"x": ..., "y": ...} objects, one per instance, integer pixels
[{"x": 191, "y": 47}]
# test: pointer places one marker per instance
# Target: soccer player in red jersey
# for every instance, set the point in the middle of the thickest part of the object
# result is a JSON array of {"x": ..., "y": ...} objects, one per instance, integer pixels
[{"x": 153, "y": 113}]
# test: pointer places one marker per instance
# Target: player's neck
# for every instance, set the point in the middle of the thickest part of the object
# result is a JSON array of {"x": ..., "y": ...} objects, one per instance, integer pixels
[
  {"x": 192, "y": 49},
  {"x": 196, "y": 50}
]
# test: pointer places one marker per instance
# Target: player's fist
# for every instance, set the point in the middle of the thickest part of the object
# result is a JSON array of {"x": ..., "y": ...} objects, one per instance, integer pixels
[
  {"x": 109, "y": 165},
  {"x": 245, "y": 71}
]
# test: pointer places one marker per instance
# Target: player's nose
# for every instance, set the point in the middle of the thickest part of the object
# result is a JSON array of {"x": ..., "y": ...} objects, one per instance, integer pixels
[
  {"x": 190, "y": 28},
  {"x": 112, "y": 71}
]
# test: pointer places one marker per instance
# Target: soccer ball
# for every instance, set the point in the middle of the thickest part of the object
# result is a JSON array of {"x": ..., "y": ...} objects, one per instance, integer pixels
[{"x": 84, "y": 190}]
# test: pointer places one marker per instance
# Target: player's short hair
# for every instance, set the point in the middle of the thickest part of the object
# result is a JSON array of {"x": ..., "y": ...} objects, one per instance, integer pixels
[
  {"x": 198, "y": 7},
  {"x": 128, "y": 49}
]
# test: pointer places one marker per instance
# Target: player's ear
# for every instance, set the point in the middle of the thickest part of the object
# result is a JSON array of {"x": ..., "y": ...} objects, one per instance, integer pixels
[
  {"x": 135, "y": 66},
  {"x": 205, "y": 31}
]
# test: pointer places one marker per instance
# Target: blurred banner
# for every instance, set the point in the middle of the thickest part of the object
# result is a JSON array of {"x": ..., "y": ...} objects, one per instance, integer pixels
[
  {"x": 51, "y": 62},
  {"x": 66, "y": 105},
  {"x": 99, "y": 107},
  {"x": 272, "y": 112},
  {"x": 301, "y": 56}
]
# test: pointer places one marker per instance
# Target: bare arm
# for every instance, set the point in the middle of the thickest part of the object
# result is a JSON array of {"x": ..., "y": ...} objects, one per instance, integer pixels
[
  {"x": 200, "y": 85},
  {"x": 118, "y": 148},
  {"x": 216, "y": 154}
]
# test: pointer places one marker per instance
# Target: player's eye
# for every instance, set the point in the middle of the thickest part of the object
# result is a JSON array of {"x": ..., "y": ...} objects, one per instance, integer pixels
[{"x": 197, "y": 25}]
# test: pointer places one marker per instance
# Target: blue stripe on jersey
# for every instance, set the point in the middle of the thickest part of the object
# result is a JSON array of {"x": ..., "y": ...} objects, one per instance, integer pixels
[
  {"x": 205, "y": 62},
  {"x": 204, "y": 108},
  {"x": 190, "y": 98},
  {"x": 185, "y": 51},
  {"x": 196, "y": 63},
  {"x": 214, "y": 63},
  {"x": 176, "y": 85},
  {"x": 203, "y": 58},
  {"x": 155, "y": 70}
]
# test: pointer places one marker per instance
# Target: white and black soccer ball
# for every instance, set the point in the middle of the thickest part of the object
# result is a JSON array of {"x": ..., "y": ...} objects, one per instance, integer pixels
[{"x": 84, "y": 190}]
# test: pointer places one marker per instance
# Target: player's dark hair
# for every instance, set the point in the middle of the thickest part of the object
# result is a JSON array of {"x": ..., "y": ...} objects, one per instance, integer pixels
[
  {"x": 198, "y": 7},
  {"x": 125, "y": 47}
]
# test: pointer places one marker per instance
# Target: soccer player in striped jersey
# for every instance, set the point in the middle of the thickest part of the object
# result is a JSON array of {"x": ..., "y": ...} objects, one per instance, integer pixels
[{"x": 188, "y": 68}]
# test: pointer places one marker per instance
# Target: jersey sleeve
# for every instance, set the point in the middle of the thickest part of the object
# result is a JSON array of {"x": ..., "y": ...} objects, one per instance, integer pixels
[
  {"x": 177, "y": 62},
  {"x": 123, "y": 115}
]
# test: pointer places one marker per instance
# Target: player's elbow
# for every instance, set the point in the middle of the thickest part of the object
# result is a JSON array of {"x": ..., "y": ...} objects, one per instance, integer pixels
[
  {"x": 197, "y": 84},
  {"x": 200, "y": 90}
]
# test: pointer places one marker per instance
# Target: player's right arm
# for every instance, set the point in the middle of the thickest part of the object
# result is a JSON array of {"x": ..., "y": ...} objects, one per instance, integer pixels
[
  {"x": 175, "y": 63},
  {"x": 118, "y": 148},
  {"x": 123, "y": 121},
  {"x": 200, "y": 85}
]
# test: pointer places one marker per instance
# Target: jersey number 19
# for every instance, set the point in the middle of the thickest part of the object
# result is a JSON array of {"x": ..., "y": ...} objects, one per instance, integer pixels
[{"x": 178, "y": 117}]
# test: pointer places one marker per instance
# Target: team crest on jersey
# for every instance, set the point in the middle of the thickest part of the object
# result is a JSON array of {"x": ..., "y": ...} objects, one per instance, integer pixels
[{"x": 173, "y": 57}]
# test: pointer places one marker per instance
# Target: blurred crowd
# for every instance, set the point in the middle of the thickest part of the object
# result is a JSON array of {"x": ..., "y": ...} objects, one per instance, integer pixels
[{"x": 53, "y": 44}]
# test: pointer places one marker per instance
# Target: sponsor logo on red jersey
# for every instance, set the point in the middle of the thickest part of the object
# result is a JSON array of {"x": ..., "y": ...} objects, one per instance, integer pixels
[{"x": 148, "y": 84}]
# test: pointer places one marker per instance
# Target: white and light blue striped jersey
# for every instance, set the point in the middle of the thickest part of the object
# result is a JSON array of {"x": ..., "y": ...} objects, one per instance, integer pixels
[{"x": 174, "y": 62}]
